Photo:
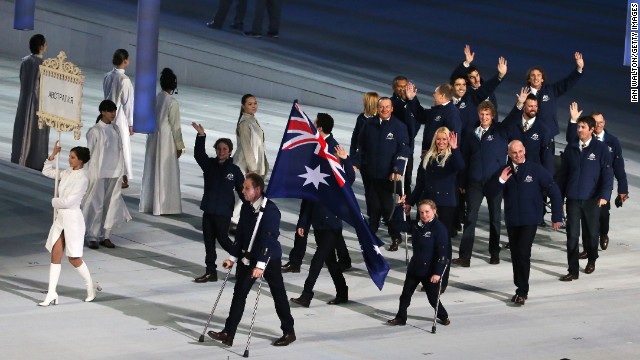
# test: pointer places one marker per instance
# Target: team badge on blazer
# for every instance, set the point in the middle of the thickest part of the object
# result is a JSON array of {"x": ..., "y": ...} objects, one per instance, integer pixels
[
  {"x": 529, "y": 178},
  {"x": 545, "y": 97},
  {"x": 535, "y": 137},
  {"x": 489, "y": 138},
  {"x": 592, "y": 156},
  {"x": 390, "y": 136},
  {"x": 462, "y": 105},
  {"x": 610, "y": 149},
  {"x": 437, "y": 118},
  {"x": 427, "y": 234},
  {"x": 229, "y": 176}
]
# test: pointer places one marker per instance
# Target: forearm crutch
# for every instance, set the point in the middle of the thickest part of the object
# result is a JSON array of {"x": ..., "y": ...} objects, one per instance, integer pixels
[
  {"x": 255, "y": 310},
  {"x": 201, "y": 339},
  {"x": 435, "y": 314}
]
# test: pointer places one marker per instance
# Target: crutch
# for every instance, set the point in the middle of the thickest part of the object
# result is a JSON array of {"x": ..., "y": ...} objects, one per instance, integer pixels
[
  {"x": 255, "y": 310},
  {"x": 201, "y": 339},
  {"x": 404, "y": 216},
  {"x": 435, "y": 314}
]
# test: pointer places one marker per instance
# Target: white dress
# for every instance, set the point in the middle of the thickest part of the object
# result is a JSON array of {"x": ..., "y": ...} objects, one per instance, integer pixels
[
  {"x": 160, "y": 193},
  {"x": 118, "y": 88},
  {"x": 73, "y": 185}
]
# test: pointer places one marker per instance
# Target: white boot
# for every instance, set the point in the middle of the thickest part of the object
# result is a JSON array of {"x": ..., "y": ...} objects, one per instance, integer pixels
[
  {"x": 52, "y": 295},
  {"x": 91, "y": 286}
]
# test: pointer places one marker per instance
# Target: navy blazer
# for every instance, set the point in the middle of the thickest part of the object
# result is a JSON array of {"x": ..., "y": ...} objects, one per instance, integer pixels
[
  {"x": 353, "y": 148},
  {"x": 548, "y": 99},
  {"x": 266, "y": 243},
  {"x": 438, "y": 183},
  {"x": 524, "y": 192},
  {"x": 383, "y": 148},
  {"x": 537, "y": 141},
  {"x": 404, "y": 113},
  {"x": 586, "y": 174},
  {"x": 219, "y": 181},
  {"x": 468, "y": 103},
  {"x": 429, "y": 245},
  {"x": 483, "y": 158},
  {"x": 434, "y": 118},
  {"x": 615, "y": 152}
]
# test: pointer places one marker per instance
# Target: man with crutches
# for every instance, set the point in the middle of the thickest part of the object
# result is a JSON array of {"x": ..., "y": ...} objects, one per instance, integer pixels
[
  {"x": 264, "y": 259},
  {"x": 429, "y": 260}
]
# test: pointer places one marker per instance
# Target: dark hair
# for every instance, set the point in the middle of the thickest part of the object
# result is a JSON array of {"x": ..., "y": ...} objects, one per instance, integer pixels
[
  {"x": 487, "y": 105},
  {"x": 455, "y": 77},
  {"x": 256, "y": 180},
  {"x": 119, "y": 56},
  {"x": 399, "y": 78},
  {"x": 168, "y": 80},
  {"x": 446, "y": 90},
  {"x": 36, "y": 42},
  {"x": 531, "y": 97},
  {"x": 225, "y": 141},
  {"x": 82, "y": 153},
  {"x": 325, "y": 121},
  {"x": 243, "y": 101},
  {"x": 471, "y": 69},
  {"x": 534, "y": 68},
  {"x": 106, "y": 105},
  {"x": 588, "y": 120}
]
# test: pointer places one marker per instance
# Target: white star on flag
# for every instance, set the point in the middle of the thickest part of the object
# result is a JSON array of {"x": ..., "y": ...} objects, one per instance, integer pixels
[
  {"x": 314, "y": 176},
  {"x": 377, "y": 249}
]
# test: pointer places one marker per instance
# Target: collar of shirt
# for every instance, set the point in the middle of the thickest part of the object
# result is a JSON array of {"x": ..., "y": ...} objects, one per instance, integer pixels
[
  {"x": 381, "y": 120},
  {"x": 447, "y": 103},
  {"x": 530, "y": 121},
  {"x": 118, "y": 70},
  {"x": 599, "y": 136},
  {"x": 421, "y": 223},
  {"x": 533, "y": 90},
  {"x": 256, "y": 204},
  {"x": 103, "y": 124},
  {"x": 456, "y": 100},
  {"x": 586, "y": 143},
  {"x": 479, "y": 131}
]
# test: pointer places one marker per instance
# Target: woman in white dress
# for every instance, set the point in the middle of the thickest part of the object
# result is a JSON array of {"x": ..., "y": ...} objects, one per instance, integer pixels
[
  {"x": 160, "y": 192},
  {"x": 250, "y": 156},
  {"x": 67, "y": 232}
]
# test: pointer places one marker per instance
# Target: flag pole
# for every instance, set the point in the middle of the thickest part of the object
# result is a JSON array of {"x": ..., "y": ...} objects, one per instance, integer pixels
[{"x": 55, "y": 182}]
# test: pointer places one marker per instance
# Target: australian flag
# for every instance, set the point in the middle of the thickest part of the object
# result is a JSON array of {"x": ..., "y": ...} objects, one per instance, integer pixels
[{"x": 306, "y": 169}]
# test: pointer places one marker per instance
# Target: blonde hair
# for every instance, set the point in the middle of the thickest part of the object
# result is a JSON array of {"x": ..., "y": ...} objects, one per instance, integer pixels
[
  {"x": 432, "y": 153},
  {"x": 370, "y": 102}
]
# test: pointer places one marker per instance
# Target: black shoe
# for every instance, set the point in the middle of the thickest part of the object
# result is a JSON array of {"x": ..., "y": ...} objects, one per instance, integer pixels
[
  {"x": 445, "y": 321},
  {"x": 252, "y": 34},
  {"x": 301, "y": 301},
  {"x": 212, "y": 25},
  {"x": 396, "y": 322},
  {"x": 290, "y": 268},
  {"x": 338, "y": 300},
  {"x": 285, "y": 340},
  {"x": 463, "y": 262},
  {"x": 495, "y": 260},
  {"x": 206, "y": 278},
  {"x": 583, "y": 255},
  {"x": 272, "y": 34},
  {"x": 604, "y": 242},
  {"x": 394, "y": 244},
  {"x": 569, "y": 277},
  {"x": 107, "y": 243},
  {"x": 93, "y": 245}
]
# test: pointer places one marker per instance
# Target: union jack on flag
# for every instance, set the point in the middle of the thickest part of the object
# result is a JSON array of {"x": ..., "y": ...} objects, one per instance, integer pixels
[{"x": 305, "y": 168}]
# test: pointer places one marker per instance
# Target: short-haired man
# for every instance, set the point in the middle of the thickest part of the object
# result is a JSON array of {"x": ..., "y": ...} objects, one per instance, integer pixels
[
  {"x": 472, "y": 76},
  {"x": 617, "y": 164},
  {"x": 264, "y": 260},
  {"x": 484, "y": 153},
  {"x": 586, "y": 181},
  {"x": 442, "y": 113},
  {"x": 383, "y": 149},
  {"x": 405, "y": 114},
  {"x": 524, "y": 184}
]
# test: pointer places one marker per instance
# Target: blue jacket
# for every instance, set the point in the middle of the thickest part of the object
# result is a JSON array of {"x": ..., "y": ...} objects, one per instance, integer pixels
[
  {"x": 483, "y": 158},
  {"x": 537, "y": 141},
  {"x": 434, "y": 118},
  {"x": 266, "y": 243},
  {"x": 353, "y": 148},
  {"x": 548, "y": 96},
  {"x": 438, "y": 183},
  {"x": 462, "y": 71},
  {"x": 586, "y": 175},
  {"x": 429, "y": 245},
  {"x": 383, "y": 148},
  {"x": 315, "y": 213},
  {"x": 524, "y": 192},
  {"x": 219, "y": 181},
  {"x": 615, "y": 151},
  {"x": 404, "y": 113}
]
